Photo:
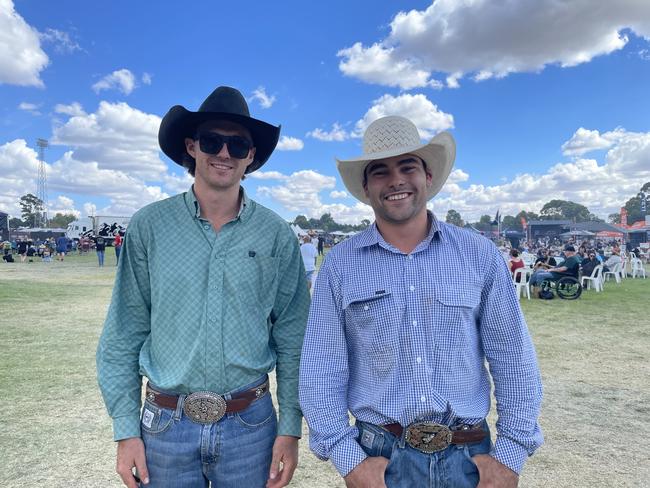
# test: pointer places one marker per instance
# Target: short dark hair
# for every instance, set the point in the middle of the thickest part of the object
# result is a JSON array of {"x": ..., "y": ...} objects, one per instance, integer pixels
[
  {"x": 569, "y": 248},
  {"x": 514, "y": 253}
]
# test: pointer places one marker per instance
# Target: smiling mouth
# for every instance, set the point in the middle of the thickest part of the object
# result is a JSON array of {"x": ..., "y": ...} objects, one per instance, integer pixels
[
  {"x": 397, "y": 196},
  {"x": 220, "y": 166}
]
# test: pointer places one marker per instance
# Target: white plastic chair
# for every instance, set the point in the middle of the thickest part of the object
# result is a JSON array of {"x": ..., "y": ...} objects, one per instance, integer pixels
[
  {"x": 615, "y": 272},
  {"x": 595, "y": 278},
  {"x": 521, "y": 281},
  {"x": 638, "y": 268}
]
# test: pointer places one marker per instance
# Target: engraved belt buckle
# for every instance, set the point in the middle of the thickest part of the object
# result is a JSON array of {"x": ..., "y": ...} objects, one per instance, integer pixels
[
  {"x": 204, "y": 407},
  {"x": 428, "y": 437}
]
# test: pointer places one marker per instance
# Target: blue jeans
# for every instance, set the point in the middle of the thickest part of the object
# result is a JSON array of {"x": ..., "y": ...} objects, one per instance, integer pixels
[
  {"x": 408, "y": 467},
  {"x": 117, "y": 254},
  {"x": 100, "y": 257},
  {"x": 538, "y": 276},
  {"x": 233, "y": 452}
]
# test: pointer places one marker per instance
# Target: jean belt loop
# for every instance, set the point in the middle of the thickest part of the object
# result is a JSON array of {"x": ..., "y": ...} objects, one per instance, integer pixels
[
  {"x": 401, "y": 440},
  {"x": 179, "y": 407}
]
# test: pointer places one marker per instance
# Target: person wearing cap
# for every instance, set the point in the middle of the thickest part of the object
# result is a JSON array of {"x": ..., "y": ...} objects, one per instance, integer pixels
[
  {"x": 206, "y": 327},
  {"x": 569, "y": 267},
  {"x": 406, "y": 318}
]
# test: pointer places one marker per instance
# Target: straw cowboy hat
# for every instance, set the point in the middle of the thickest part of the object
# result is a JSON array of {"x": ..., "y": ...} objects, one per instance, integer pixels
[
  {"x": 224, "y": 103},
  {"x": 393, "y": 136}
]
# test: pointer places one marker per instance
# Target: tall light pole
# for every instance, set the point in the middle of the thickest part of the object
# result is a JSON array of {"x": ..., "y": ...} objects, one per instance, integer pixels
[{"x": 41, "y": 191}]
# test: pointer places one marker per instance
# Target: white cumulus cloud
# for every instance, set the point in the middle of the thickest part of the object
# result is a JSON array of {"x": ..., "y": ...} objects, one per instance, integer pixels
[
  {"x": 287, "y": 143},
  {"x": 584, "y": 141},
  {"x": 339, "y": 194},
  {"x": 486, "y": 39},
  {"x": 21, "y": 56},
  {"x": 74, "y": 109},
  {"x": 122, "y": 80},
  {"x": 115, "y": 137},
  {"x": 417, "y": 108},
  {"x": 338, "y": 133},
  {"x": 261, "y": 96}
]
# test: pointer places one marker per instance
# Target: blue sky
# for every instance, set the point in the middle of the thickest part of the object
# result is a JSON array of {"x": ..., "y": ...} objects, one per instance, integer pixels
[{"x": 545, "y": 99}]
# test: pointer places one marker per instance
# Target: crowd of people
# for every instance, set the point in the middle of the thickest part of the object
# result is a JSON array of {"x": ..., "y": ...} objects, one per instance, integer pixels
[
  {"x": 56, "y": 248},
  {"x": 549, "y": 259}
]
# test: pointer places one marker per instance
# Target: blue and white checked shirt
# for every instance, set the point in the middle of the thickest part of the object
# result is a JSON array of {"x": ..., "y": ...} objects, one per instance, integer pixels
[{"x": 402, "y": 338}]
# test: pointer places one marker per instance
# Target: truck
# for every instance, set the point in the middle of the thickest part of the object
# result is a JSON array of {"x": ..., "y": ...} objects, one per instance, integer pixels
[{"x": 107, "y": 226}]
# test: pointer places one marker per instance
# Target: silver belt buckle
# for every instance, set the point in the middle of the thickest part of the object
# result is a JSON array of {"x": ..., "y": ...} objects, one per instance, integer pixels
[
  {"x": 428, "y": 437},
  {"x": 204, "y": 407}
]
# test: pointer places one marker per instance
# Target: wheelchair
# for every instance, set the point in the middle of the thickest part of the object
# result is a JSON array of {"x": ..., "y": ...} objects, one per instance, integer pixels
[{"x": 567, "y": 287}]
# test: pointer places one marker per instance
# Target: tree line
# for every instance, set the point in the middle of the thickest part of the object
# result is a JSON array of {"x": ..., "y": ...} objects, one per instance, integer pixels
[{"x": 31, "y": 211}]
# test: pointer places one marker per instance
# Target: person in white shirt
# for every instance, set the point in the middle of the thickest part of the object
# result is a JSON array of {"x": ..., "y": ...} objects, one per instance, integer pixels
[{"x": 309, "y": 255}]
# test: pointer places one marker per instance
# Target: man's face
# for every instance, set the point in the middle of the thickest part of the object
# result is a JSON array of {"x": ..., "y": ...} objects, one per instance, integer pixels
[
  {"x": 397, "y": 188},
  {"x": 219, "y": 171}
]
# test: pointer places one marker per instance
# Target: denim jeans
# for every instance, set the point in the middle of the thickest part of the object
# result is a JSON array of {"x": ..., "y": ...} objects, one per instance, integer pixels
[
  {"x": 231, "y": 453},
  {"x": 100, "y": 257},
  {"x": 117, "y": 254},
  {"x": 408, "y": 467},
  {"x": 538, "y": 276}
]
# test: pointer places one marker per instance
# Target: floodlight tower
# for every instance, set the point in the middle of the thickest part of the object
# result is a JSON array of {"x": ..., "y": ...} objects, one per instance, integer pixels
[{"x": 41, "y": 191}]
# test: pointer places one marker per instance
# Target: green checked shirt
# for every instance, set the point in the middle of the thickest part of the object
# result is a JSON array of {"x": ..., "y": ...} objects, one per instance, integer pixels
[{"x": 193, "y": 309}]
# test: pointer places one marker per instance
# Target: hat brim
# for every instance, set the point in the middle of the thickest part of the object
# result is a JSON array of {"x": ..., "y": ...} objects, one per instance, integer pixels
[
  {"x": 180, "y": 123},
  {"x": 438, "y": 154}
]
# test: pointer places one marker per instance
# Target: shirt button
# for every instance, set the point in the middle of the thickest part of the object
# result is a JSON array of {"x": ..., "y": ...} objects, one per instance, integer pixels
[
  {"x": 410, "y": 256},
  {"x": 423, "y": 398},
  {"x": 415, "y": 322},
  {"x": 412, "y": 288},
  {"x": 206, "y": 227},
  {"x": 418, "y": 359},
  {"x": 366, "y": 307}
]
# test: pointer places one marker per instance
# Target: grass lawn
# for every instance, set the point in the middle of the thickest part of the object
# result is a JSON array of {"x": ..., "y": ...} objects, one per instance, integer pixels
[{"x": 55, "y": 431}]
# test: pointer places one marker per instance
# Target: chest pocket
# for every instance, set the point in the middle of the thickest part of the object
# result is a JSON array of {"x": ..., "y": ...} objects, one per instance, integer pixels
[
  {"x": 254, "y": 277},
  {"x": 453, "y": 312},
  {"x": 364, "y": 307}
]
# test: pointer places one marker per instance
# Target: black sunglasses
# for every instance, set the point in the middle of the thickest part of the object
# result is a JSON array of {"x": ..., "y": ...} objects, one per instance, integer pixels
[{"x": 212, "y": 143}]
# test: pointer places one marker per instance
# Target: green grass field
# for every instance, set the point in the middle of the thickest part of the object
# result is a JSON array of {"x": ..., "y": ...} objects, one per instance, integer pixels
[{"x": 55, "y": 432}]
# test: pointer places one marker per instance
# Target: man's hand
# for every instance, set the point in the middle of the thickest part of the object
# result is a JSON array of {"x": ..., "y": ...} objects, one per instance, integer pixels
[
  {"x": 493, "y": 474},
  {"x": 130, "y": 454},
  {"x": 368, "y": 474},
  {"x": 283, "y": 462}
]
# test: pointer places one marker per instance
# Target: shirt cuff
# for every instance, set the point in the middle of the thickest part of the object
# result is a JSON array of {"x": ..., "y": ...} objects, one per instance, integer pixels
[
  {"x": 126, "y": 427},
  {"x": 347, "y": 455},
  {"x": 290, "y": 424},
  {"x": 510, "y": 454}
]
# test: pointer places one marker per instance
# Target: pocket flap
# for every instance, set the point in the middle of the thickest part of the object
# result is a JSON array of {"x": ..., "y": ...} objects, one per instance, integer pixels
[
  {"x": 364, "y": 295},
  {"x": 463, "y": 296}
]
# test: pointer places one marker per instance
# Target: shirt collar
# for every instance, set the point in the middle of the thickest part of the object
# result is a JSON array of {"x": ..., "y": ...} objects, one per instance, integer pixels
[
  {"x": 194, "y": 207},
  {"x": 372, "y": 236}
]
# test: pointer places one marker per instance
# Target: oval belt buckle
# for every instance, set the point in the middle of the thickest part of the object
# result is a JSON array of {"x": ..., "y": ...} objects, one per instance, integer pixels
[
  {"x": 428, "y": 437},
  {"x": 204, "y": 407}
]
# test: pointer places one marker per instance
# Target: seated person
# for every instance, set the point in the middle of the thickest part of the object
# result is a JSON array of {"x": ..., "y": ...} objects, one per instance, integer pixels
[
  {"x": 570, "y": 267},
  {"x": 515, "y": 263},
  {"x": 588, "y": 265},
  {"x": 613, "y": 260},
  {"x": 544, "y": 260}
]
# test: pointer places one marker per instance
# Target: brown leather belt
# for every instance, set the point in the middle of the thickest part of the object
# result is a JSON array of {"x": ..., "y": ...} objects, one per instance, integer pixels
[
  {"x": 206, "y": 407},
  {"x": 430, "y": 437}
]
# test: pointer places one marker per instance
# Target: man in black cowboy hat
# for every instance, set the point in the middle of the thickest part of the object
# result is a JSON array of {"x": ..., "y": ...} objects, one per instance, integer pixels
[
  {"x": 206, "y": 326},
  {"x": 404, "y": 319}
]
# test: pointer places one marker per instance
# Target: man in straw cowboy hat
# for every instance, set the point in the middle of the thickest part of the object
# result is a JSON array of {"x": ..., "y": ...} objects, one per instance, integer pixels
[
  {"x": 207, "y": 325},
  {"x": 403, "y": 318}
]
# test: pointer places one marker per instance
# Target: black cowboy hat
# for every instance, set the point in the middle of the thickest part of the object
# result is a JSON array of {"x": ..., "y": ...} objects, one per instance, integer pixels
[{"x": 224, "y": 103}]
